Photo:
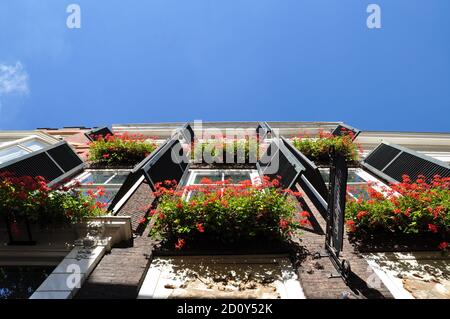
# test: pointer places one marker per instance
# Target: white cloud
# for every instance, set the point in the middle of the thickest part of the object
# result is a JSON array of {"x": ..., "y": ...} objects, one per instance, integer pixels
[{"x": 13, "y": 79}]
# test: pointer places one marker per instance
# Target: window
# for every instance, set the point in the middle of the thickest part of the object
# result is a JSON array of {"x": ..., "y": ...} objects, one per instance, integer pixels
[
  {"x": 233, "y": 176},
  {"x": 110, "y": 180},
  {"x": 353, "y": 175},
  {"x": 356, "y": 182},
  {"x": 11, "y": 153},
  {"x": 34, "y": 145},
  {"x": 16, "y": 149}
]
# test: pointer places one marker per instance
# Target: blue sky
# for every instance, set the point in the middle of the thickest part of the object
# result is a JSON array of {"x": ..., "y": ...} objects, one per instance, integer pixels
[{"x": 178, "y": 60}]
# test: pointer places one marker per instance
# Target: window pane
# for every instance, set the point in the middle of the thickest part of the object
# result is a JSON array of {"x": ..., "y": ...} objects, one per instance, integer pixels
[
  {"x": 359, "y": 191},
  {"x": 325, "y": 175},
  {"x": 34, "y": 145},
  {"x": 119, "y": 179},
  {"x": 354, "y": 178},
  {"x": 11, "y": 153},
  {"x": 97, "y": 177},
  {"x": 236, "y": 177},
  {"x": 213, "y": 176},
  {"x": 107, "y": 198}
]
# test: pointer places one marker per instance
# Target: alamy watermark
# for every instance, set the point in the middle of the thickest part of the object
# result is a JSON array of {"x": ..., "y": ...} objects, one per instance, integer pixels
[
  {"x": 374, "y": 18},
  {"x": 74, "y": 279},
  {"x": 213, "y": 145},
  {"x": 73, "y": 20}
]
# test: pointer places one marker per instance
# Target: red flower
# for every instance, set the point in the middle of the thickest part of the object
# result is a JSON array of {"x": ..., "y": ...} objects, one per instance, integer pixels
[
  {"x": 361, "y": 214},
  {"x": 351, "y": 225},
  {"x": 304, "y": 214},
  {"x": 105, "y": 156},
  {"x": 200, "y": 228},
  {"x": 443, "y": 245},
  {"x": 305, "y": 222},
  {"x": 276, "y": 183},
  {"x": 180, "y": 243},
  {"x": 143, "y": 220},
  {"x": 284, "y": 224},
  {"x": 100, "y": 191},
  {"x": 432, "y": 228},
  {"x": 406, "y": 212},
  {"x": 179, "y": 206}
]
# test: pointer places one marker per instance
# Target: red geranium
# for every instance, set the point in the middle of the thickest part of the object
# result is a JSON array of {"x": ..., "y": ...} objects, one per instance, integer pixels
[
  {"x": 361, "y": 214},
  {"x": 180, "y": 244},
  {"x": 432, "y": 228},
  {"x": 200, "y": 228}
]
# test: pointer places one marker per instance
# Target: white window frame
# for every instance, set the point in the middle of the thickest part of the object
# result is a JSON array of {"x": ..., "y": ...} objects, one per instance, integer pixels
[
  {"x": 254, "y": 177},
  {"x": 18, "y": 143},
  {"x": 107, "y": 187},
  {"x": 378, "y": 185}
]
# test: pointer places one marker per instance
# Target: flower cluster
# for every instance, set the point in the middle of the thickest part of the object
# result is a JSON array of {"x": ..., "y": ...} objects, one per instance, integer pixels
[
  {"x": 319, "y": 149},
  {"x": 225, "y": 212},
  {"x": 119, "y": 150},
  {"x": 32, "y": 199},
  {"x": 227, "y": 150},
  {"x": 409, "y": 207}
]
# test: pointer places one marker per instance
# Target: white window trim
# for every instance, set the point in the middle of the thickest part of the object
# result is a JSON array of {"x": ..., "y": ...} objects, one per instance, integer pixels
[
  {"x": 22, "y": 140},
  {"x": 105, "y": 185},
  {"x": 378, "y": 185},
  {"x": 254, "y": 176}
]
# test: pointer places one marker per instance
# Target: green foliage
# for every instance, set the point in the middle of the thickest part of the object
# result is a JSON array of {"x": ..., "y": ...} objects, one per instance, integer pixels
[
  {"x": 119, "y": 150},
  {"x": 240, "y": 151},
  {"x": 319, "y": 149}
]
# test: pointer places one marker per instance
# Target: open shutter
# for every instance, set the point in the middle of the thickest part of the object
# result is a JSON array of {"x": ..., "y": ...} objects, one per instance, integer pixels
[
  {"x": 389, "y": 162},
  {"x": 170, "y": 163},
  {"x": 187, "y": 133},
  {"x": 263, "y": 130},
  {"x": 341, "y": 128},
  {"x": 100, "y": 131},
  {"x": 278, "y": 161},
  {"x": 157, "y": 167},
  {"x": 54, "y": 163},
  {"x": 311, "y": 180}
]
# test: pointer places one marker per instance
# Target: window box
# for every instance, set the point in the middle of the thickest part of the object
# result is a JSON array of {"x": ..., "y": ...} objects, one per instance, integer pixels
[
  {"x": 409, "y": 210},
  {"x": 119, "y": 151},
  {"x": 215, "y": 211},
  {"x": 319, "y": 149}
]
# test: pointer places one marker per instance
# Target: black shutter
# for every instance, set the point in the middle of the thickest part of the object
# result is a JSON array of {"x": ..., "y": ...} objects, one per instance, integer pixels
[
  {"x": 263, "y": 129},
  {"x": 187, "y": 132},
  {"x": 66, "y": 158},
  {"x": 389, "y": 162},
  {"x": 54, "y": 162},
  {"x": 157, "y": 167},
  {"x": 279, "y": 161},
  {"x": 339, "y": 130},
  {"x": 101, "y": 131},
  {"x": 381, "y": 156},
  {"x": 310, "y": 180},
  {"x": 167, "y": 164}
]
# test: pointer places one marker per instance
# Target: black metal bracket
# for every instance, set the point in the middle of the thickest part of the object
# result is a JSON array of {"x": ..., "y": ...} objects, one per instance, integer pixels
[{"x": 342, "y": 265}]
